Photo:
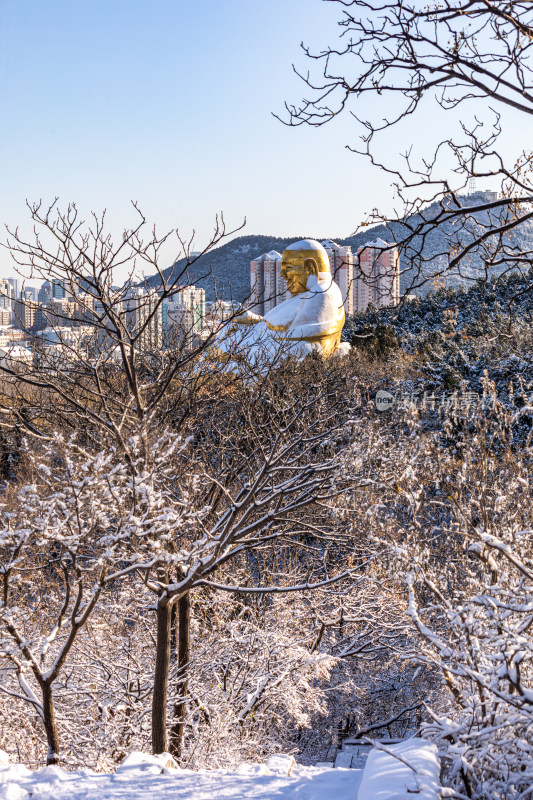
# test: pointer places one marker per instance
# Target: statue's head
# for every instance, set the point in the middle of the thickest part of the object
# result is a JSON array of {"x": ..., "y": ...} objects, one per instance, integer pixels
[{"x": 300, "y": 260}]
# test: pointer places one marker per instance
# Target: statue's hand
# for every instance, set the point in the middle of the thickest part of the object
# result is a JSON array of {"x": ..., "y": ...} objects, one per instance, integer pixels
[{"x": 248, "y": 318}]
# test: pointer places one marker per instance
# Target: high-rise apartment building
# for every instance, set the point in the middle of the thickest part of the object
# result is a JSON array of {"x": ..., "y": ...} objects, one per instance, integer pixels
[
  {"x": 192, "y": 300},
  {"x": 6, "y": 294},
  {"x": 219, "y": 310},
  {"x": 24, "y": 314},
  {"x": 59, "y": 312},
  {"x": 150, "y": 323},
  {"x": 29, "y": 293},
  {"x": 377, "y": 279},
  {"x": 58, "y": 290},
  {"x": 14, "y": 283},
  {"x": 45, "y": 292},
  {"x": 267, "y": 285},
  {"x": 82, "y": 308},
  {"x": 341, "y": 265},
  {"x": 41, "y": 318},
  {"x": 144, "y": 317},
  {"x": 184, "y": 317}
]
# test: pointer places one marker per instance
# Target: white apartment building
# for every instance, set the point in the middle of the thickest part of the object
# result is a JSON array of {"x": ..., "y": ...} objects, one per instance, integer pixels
[
  {"x": 10, "y": 336},
  {"x": 342, "y": 270},
  {"x": 75, "y": 336},
  {"x": 220, "y": 310},
  {"x": 267, "y": 286},
  {"x": 6, "y": 296},
  {"x": 191, "y": 299},
  {"x": 144, "y": 317}
]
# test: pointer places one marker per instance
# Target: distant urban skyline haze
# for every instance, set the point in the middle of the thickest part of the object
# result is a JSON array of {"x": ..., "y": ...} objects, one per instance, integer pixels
[{"x": 170, "y": 103}]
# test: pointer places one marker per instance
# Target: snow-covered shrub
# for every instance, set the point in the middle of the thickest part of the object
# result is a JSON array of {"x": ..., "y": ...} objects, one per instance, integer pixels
[
  {"x": 455, "y": 335},
  {"x": 456, "y": 512},
  {"x": 475, "y": 619}
]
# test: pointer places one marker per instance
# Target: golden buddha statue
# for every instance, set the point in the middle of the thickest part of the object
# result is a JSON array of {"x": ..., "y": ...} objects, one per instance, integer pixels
[{"x": 310, "y": 320}]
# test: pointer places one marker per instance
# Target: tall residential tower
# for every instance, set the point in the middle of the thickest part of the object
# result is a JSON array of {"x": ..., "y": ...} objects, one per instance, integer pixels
[
  {"x": 342, "y": 270},
  {"x": 267, "y": 286},
  {"x": 378, "y": 275}
]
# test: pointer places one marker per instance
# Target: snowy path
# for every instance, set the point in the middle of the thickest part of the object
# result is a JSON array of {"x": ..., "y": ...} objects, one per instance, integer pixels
[
  {"x": 52, "y": 783},
  {"x": 408, "y": 768}
]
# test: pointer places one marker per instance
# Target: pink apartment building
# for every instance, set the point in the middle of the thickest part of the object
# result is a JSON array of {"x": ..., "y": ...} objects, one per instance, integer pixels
[{"x": 378, "y": 275}]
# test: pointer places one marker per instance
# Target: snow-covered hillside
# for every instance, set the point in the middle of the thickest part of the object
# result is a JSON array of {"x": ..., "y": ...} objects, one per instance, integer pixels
[{"x": 459, "y": 335}]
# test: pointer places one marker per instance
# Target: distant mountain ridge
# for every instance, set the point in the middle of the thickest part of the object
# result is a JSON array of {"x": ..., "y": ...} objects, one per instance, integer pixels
[{"x": 225, "y": 271}]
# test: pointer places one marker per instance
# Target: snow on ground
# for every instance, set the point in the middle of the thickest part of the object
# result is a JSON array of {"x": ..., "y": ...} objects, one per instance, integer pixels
[
  {"x": 141, "y": 776},
  {"x": 400, "y": 771}
]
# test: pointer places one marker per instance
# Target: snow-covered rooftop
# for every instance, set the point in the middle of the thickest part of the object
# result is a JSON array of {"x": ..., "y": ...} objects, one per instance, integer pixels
[
  {"x": 272, "y": 255},
  {"x": 378, "y": 243},
  {"x": 16, "y": 351}
]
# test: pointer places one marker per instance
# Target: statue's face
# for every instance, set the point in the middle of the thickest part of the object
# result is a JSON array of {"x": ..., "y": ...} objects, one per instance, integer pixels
[{"x": 294, "y": 275}]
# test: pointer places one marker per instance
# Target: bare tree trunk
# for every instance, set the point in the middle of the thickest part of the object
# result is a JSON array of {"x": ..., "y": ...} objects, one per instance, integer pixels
[
  {"x": 184, "y": 654},
  {"x": 162, "y": 663},
  {"x": 50, "y": 724},
  {"x": 174, "y": 635}
]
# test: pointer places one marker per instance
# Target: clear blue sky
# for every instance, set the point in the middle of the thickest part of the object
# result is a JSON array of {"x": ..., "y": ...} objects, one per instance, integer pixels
[{"x": 169, "y": 102}]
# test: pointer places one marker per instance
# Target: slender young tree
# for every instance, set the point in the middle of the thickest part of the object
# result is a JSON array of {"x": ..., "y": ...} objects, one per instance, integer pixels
[{"x": 65, "y": 537}]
